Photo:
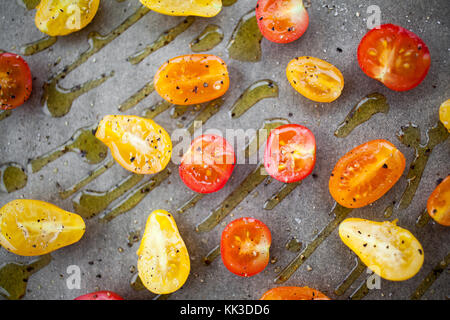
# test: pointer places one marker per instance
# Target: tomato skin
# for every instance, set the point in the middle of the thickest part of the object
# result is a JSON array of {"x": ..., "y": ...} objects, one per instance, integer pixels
[
  {"x": 100, "y": 295},
  {"x": 438, "y": 204},
  {"x": 286, "y": 140},
  {"x": 34, "y": 228},
  {"x": 293, "y": 293},
  {"x": 444, "y": 114},
  {"x": 394, "y": 56},
  {"x": 208, "y": 164},
  {"x": 244, "y": 246},
  {"x": 62, "y": 17},
  {"x": 192, "y": 79},
  {"x": 200, "y": 8},
  {"x": 138, "y": 144},
  {"x": 366, "y": 173},
  {"x": 15, "y": 81},
  {"x": 390, "y": 251},
  {"x": 163, "y": 259},
  {"x": 282, "y": 21},
  {"x": 315, "y": 79}
]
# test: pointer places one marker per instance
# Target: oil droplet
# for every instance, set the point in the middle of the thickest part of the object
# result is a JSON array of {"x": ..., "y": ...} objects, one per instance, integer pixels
[
  {"x": 28, "y": 4},
  {"x": 210, "y": 37},
  {"x": 190, "y": 203},
  {"x": 364, "y": 110},
  {"x": 4, "y": 113},
  {"x": 13, "y": 177},
  {"x": 163, "y": 40},
  {"x": 293, "y": 245},
  {"x": 140, "y": 95},
  {"x": 279, "y": 196},
  {"x": 86, "y": 180},
  {"x": 37, "y": 46},
  {"x": 83, "y": 142},
  {"x": 258, "y": 91},
  {"x": 356, "y": 272},
  {"x": 245, "y": 43},
  {"x": 431, "y": 278},
  {"x": 340, "y": 213},
  {"x": 388, "y": 211},
  {"x": 14, "y": 276},
  {"x": 134, "y": 237},
  {"x": 423, "y": 219},
  {"x": 212, "y": 255}
]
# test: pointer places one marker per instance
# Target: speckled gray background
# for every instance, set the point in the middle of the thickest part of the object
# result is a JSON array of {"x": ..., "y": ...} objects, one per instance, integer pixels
[{"x": 29, "y": 132}]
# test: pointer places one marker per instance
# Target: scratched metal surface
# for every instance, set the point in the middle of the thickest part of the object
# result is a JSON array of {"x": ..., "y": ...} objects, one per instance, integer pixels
[{"x": 29, "y": 132}]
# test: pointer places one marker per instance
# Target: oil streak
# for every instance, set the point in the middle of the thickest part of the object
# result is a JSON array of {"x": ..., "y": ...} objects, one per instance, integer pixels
[
  {"x": 293, "y": 245},
  {"x": 423, "y": 219},
  {"x": 4, "y": 113},
  {"x": 431, "y": 278},
  {"x": 13, "y": 177},
  {"x": 210, "y": 37},
  {"x": 157, "y": 109},
  {"x": 340, "y": 213},
  {"x": 258, "y": 91},
  {"x": 212, "y": 255},
  {"x": 361, "y": 292},
  {"x": 28, "y": 4},
  {"x": 205, "y": 114},
  {"x": 227, "y": 3},
  {"x": 37, "y": 46},
  {"x": 190, "y": 203},
  {"x": 356, "y": 272},
  {"x": 279, "y": 196},
  {"x": 140, "y": 95}
]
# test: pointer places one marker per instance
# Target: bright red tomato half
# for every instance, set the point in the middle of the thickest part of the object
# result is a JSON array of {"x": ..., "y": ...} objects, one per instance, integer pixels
[
  {"x": 290, "y": 153},
  {"x": 282, "y": 21},
  {"x": 15, "y": 81},
  {"x": 395, "y": 56},
  {"x": 100, "y": 295},
  {"x": 244, "y": 246},
  {"x": 208, "y": 164}
]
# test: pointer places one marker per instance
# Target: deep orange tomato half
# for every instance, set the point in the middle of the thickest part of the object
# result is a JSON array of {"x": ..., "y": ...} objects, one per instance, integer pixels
[
  {"x": 208, "y": 164},
  {"x": 438, "y": 205},
  {"x": 15, "y": 81},
  {"x": 192, "y": 79},
  {"x": 294, "y": 293},
  {"x": 290, "y": 153},
  {"x": 366, "y": 173},
  {"x": 100, "y": 295},
  {"x": 395, "y": 56},
  {"x": 282, "y": 21},
  {"x": 244, "y": 246}
]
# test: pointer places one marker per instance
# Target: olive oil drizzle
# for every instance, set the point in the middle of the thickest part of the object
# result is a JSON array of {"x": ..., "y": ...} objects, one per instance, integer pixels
[
  {"x": 361, "y": 292},
  {"x": 245, "y": 43},
  {"x": 209, "y": 38},
  {"x": 227, "y": 3},
  {"x": 83, "y": 142},
  {"x": 190, "y": 203},
  {"x": 410, "y": 136},
  {"x": 86, "y": 180},
  {"x": 431, "y": 278},
  {"x": 38, "y": 45},
  {"x": 157, "y": 109},
  {"x": 163, "y": 40},
  {"x": 205, "y": 114},
  {"x": 279, "y": 196},
  {"x": 258, "y": 91},
  {"x": 423, "y": 219},
  {"x": 13, "y": 177},
  {"x": 4, "y": 113},
  {"x": 136, "y": 283},
  {"x": 293, "y": 245},
  {"x": 137, "y": 97},
  {"x": 356, "y": 272},
  {"x": 29, "y": 4},
  {"x": 340, "y": 213},
  {"x": 212, "y": 255},
  {"x": 262, "y": 134},
  {"x": 14, "y": 276},
  {"x": 364, "y": 110}
]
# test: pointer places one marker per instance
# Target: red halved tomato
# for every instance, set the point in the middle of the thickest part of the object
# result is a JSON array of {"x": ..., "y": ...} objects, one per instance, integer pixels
[
  {"x": 282, "y": 21},
  {"x": 366, "y": 173},
  {"x": 100, "y": 295},
  {"x": 208, "y": 164},
  {"x": 15, "y": 81},
  {"x": 395, "y": 56},
  {"x": 290, "y": 153},
  {"x": 244, "y": 246},
  {"x": 294, "y": 293},
  {"x": 438, "y": 205}
]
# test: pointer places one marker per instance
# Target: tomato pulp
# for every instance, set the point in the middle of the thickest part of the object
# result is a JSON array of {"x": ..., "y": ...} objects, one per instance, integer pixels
[{"x": 15, "y": 81}]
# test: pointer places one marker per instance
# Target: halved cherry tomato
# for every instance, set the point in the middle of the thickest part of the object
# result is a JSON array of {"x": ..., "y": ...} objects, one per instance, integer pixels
[
  {"x": 444, "y": 114},
  {"x": 100, "y": 295},
  {"x": 244, "y": 246},
  {"x": 62, "y": 17},
  {"x": 34, "y": 228},
  {"x": 208, "y": 164},
  {"x": 282, "y": 21},
  {"x": 163, "y": 262},
  {"x": 15, "y": 81},
  {"x": 394, "y": 56},
  {"x": 138, "y": 144},
  {"x": 438, "y": 205},
  {"x": 192, "y": 79},
  {"x": 294, "y": 293},
  {"x": 388, "y": 250},
  {"x": 290, "y": 153},
  {"x": 202, "y": 8},
  {"x": 315, "y": 79},
  {"x": 366, "y": 173}
]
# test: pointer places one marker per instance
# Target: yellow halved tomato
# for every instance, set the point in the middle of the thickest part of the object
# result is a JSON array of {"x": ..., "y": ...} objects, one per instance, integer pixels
[
  {"x": 438, "y": 205},
  {"x": 315, "y": 79},
  {"x": 163, "y": 262},
  {"x": 388, "y": 250},
  {"x": 444, "y": 114},
  {"x": 366, "y": 173},
  {"x": 294, "y": 293},
  {"x": 62, "y": 17},
  {"x": 202, "y": 8},
  {"x": 192, "y": 79},
  {"x": 139, "y": 145},
  {"x": 33, "y": 228}
]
